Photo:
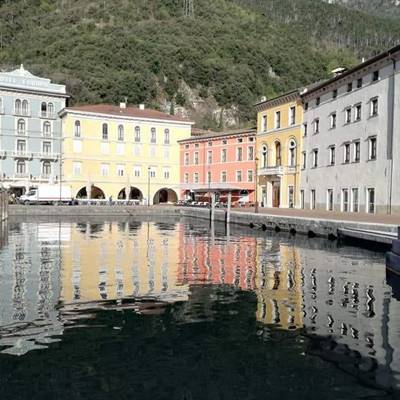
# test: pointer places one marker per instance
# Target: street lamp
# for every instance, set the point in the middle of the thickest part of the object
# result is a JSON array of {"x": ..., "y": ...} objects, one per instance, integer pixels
[
  {"x": 148, "y": 186},
  {"x": 255, "y": 188}
]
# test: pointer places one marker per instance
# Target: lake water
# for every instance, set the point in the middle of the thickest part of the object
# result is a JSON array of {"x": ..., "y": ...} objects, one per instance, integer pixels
[{"x": 137, "y": 309}]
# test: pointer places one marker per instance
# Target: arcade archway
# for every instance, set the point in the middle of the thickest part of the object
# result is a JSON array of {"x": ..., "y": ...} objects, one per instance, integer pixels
[
  {"x": 165, "y": 195},
  {"x": 96, "y": 193},
  {"x": 134, "y": 194}
]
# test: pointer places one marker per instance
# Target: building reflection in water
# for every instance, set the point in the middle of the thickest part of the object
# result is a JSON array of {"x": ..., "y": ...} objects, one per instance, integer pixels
[{"x": 340, "y": 295}]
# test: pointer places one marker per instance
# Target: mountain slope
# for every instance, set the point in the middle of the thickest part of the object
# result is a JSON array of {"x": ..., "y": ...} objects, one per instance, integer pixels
[{"x": 213, "y": 66}]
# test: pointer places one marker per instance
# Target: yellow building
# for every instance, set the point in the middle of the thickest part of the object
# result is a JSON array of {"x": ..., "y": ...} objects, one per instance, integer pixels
[
  {"x": 279, "y": 132},
  {"x": 122, "y": 152}
]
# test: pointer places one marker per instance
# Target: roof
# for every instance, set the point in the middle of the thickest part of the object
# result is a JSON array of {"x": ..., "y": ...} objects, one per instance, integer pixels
[
  {"x": 212, "y": 135},
  {"x": 131, "y": 112},
  {"x": 318, "y": 85}
]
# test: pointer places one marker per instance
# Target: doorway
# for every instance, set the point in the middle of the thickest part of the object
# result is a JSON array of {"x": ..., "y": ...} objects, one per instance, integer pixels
[{"x": 276, "y": 194}]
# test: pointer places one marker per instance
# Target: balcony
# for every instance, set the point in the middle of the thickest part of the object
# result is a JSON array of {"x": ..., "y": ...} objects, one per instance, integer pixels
[
  {"x": 21, "y": 175},
  {"x": 21, "y": 132},
  {"x": 48, "y": 156},
  {"x": 268, "y": 171},
  {"x": 21, "y": 154},
  {"x": 47, "y": 115}
]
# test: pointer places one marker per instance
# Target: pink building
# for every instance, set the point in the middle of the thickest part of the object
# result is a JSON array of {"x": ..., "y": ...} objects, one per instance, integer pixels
[{"x": 221, "y": 162}]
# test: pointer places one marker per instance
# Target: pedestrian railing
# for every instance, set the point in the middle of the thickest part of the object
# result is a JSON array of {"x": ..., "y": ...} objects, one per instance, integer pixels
[{"x": 103, "y": 202}]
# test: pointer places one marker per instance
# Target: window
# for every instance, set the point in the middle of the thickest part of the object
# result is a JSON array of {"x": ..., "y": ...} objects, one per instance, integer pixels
[
  {"x": 50, "y": 110},
  {"x": 25, "y": 107},
  {"x": 223, "y": 142},
  {"x": 77, "y": 168},
  {"x": 196, "y": 158},
  {"x": 121, "y": 133},
  {"x": 17, "y": 107},
  {"x": 333, "y": 120},
  {"x": 292, "y": 115},
  {"x": 186, "y": 178},
  {"x": 334, "y": 94},
  {"x": 151, "y": 172},
  {"x": 43, "y": 110},
  {"x": 105, "y": 148},
  {"x": 371, "y": 200},
  {"x": 46, "y": 147},
  {"x": 46, "y": 129},
  {"x": 223, "y": 155},
  {"x": 120, "y": 170},
  {"x": 306, "y": 106},
  {"x": 21, "y": 147},
  {"x": 77, "y": 146},
  {"x": 345, "y": 200},
  {"x": 152, "y": 151},
  {"x": 372, "y": 148},
  {"x": 77, "y": 129},
  {"x": 120, "y": 149},
  {"x": 303, "y": 160},
  {"x": 312, "y": 199},
  {"x": 238, "y": 176},
  {"x": 316, "y": 125},
  {"x": 305, "y": 129},
  {"x": 278, "y": 157},
  {"x": 250, "y": 175},
  {"x": 166, "y": 153},
  {"x": 166, "y": 173},
  {"x": 166, "y": 136},
  {"x": 358, "y": 112},
  {"x": 349, "y": 86},
  {"x": 240, "y": 140},
  {"x": 209, "y": 157},
  {"x": 136, "y": 150},
  {"x": 210, "y": 143},
  {"x": 332, "y": 154},
  {"x": 357, "y": 151},
  {"x": 292, "y": 153},
  {"x": 136, "y": 171},
  {"x": 302, "y": 203},
  {"x": 329, "y": 200},
  {"x": 318, "y": 101},
  {"x": 251, "y": 139},
  {"x": 347, "y": 113},
  {"x": 375, "y": 76},
  {"x": 315, "y": 158},
  {"x": 223, "y": 176},
  {"x": 196, "y": 177},
  {"x": 104, "y": 169},
  {"x": 186, "y": 158},
  {"x": 354, "y": 200},
  {"x": 21, "y": 167},
  {"x": 208, "y": 176},
  {"x": 239, "y": 154},
  {"x": 46, "y": 169},
  {"x": 346, "y": 156},
  {"x": 153, "y": 138},
  {"x": 250, "y": 153},
  {"x": 374, "y": 107},
  {"x": 105, "y": 132},
  {"x": 137, "y": 134},
  {"x": 277, "y": 119},
  {"x": 359, "y": 83},
  {"x": 264, "y": 123},
  {"x": 21, "y": 127},
  {"x": 264, "y": 156}
]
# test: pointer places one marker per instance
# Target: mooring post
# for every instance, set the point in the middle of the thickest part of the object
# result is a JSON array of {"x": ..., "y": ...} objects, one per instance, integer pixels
[
  {"x": 228, "y": 211},
  {"x": 212, "y": 206},
  {"x": 398, "y": 232}
]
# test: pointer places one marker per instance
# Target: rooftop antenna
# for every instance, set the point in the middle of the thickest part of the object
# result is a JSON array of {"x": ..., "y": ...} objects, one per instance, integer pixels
[{"x": 188, "y": 8}]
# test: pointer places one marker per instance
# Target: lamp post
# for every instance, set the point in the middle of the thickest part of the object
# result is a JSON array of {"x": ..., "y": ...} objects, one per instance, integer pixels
[
  {"x": 148, "y": 186},
  {"x": 255, "y": 188}
]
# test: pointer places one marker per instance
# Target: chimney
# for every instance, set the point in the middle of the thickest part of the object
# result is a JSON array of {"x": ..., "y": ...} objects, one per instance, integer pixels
[
  {"x": 141, "y": 106},
  {"x": 338, "y": 71},
  {"x": 122, "y": 105}
]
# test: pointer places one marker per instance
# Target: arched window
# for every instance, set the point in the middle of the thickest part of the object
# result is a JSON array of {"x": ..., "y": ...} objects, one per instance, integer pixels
[
  {"x": 278, "y": 156},
  {"x": 264, "y": 156},
  {"x": 17, "y": 107},
  {"x": 25, "y": 107},
  {"x": 46, "y": 128},
  {"x": 43, "y": 110},
  {"x": 137, "y": 134},
  {"x": 166, "y": 136},
  {"x": 77, "y": 131},
  {"x": 153, "y": 135},
  {"x": 105, "y": 132},
  {"x": 50, "y": 110},
  {"x": 46, "y": 169},
  {"x": 21, "y": 167},
  {"x": 292, "y": 153},
  {"x": 121, "y": 133},
  {"x": 21, "y": 127}
]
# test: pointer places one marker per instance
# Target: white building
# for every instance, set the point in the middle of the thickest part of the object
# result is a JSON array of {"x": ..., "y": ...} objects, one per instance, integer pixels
[{"x": 351, "y": 139}]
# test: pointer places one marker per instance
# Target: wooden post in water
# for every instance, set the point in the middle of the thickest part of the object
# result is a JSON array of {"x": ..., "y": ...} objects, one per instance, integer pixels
[
  {"x": 398, "y": 232},
  {"x": 228, "y": 210}
]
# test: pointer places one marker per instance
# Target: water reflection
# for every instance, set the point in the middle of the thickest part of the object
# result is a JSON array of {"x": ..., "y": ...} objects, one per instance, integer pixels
[{"x": 339, "y": 298}]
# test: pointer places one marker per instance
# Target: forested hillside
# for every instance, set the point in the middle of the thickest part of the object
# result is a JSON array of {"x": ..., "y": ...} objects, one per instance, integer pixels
[
  {"x": 388, "y": 8},
  {"x": 211, "y": 66}
]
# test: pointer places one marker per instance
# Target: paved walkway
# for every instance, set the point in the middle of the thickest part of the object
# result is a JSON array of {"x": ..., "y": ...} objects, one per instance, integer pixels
[{"x": 353, "y": 217}]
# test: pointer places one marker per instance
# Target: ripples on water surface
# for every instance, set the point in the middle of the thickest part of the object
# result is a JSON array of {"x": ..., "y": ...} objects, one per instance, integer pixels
[{"x": 176, "y": 310}]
